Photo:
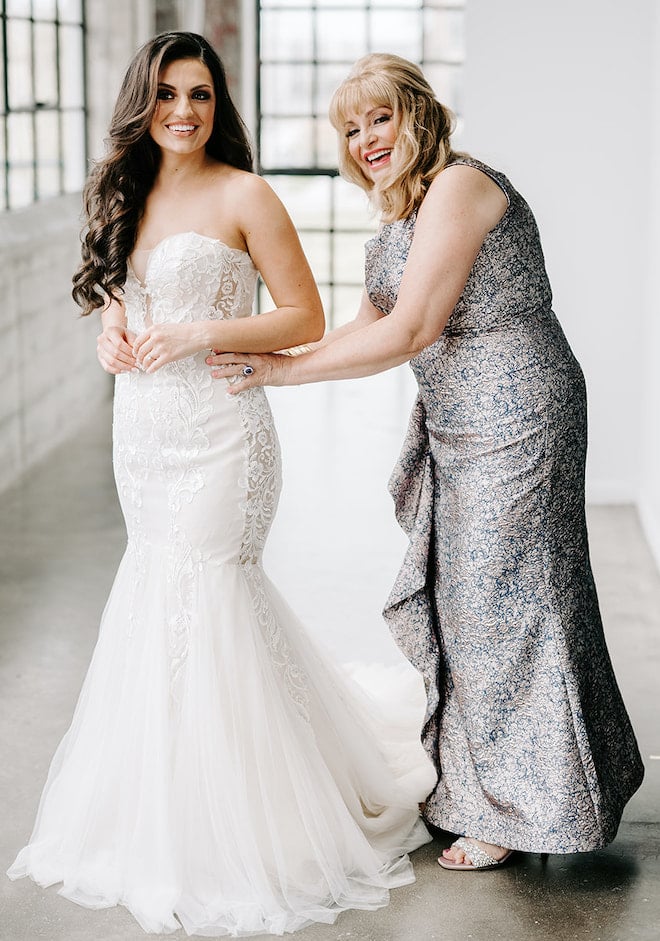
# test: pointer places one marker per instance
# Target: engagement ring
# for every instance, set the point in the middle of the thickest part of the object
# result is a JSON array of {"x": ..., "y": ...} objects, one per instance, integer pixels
[{"x": 247, "y": 370}]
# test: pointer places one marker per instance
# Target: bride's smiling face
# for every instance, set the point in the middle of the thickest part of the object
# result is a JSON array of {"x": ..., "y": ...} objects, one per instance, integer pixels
[{"x": 185, "y": 107}]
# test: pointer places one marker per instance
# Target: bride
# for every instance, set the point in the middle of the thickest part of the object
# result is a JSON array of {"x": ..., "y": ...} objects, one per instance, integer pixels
[{"x": 219, "y": 774}]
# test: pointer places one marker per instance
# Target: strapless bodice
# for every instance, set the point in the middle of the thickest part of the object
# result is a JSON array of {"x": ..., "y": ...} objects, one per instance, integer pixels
[{"x": 190, "y": 277}]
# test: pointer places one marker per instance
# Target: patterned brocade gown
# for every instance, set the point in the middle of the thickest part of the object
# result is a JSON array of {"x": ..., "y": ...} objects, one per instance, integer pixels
[
  {"x": 219, "y": 774},
  {"x": 495, "y": 603}
]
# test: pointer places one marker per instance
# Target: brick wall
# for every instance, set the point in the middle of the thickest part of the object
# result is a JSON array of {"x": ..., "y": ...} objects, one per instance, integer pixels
[{"x": 50, "y": 380}]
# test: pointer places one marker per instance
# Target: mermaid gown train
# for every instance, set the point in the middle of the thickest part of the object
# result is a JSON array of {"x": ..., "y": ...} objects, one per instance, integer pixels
[{"x": 219, "y": 773}]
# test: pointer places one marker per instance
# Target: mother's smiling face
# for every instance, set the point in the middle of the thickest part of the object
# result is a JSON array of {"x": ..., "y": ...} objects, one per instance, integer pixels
[{"x": 371, "y": 134}]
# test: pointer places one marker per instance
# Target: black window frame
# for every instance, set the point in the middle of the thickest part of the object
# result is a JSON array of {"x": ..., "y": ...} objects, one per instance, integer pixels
[{"x": 35, "y": 107}]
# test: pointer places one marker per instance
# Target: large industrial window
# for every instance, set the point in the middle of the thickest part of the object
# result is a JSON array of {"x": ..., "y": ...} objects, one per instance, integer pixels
[
  {"x": 42, "y": 100},
  {"x": 305, "y": 49}
]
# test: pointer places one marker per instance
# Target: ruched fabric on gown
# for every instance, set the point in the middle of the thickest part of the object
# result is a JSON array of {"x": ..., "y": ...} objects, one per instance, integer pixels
[
  {"x": 495, "y": 603},
  {"x": 219, "y": 773}
]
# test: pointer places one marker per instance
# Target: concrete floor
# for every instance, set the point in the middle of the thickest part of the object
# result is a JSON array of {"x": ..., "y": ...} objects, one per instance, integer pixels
[{"x": 334, "y": 551}]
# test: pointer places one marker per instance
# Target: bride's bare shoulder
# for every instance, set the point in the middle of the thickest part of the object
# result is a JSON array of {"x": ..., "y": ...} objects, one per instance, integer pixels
[{"x": 234, "y": 187}]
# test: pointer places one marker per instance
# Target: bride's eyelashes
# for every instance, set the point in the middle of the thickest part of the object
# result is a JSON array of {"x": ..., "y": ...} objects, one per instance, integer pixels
[{"x": 168, "y": 94}]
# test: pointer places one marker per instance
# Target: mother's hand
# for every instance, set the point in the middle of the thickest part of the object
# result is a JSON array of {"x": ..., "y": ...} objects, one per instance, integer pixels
[{"x": 247, "y": 370}]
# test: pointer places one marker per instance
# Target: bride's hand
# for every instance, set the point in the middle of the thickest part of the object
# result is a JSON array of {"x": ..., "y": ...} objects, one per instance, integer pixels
[
  {"x": 252, "y": 369},
  {"x": 114, "y": 349},
  {"x": 164, "y": 343}
]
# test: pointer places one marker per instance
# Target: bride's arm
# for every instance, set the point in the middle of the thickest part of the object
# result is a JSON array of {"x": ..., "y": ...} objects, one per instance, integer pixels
[
  {"x": 114, "y": 345},
  {"x": 275, "y": 249}
]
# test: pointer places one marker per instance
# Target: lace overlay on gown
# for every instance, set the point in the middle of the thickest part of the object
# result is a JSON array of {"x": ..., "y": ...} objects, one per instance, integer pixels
[{"x": 219, "y": 774}]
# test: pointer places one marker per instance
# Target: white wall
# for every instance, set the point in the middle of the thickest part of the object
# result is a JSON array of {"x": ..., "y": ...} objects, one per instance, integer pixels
[
  {"x": 649, "y": 502},
  {"x": 560, "y": 96}
]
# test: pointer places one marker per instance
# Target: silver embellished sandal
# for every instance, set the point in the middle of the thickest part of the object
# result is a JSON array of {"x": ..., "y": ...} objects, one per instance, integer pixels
[{"x": 480, "y": 859}]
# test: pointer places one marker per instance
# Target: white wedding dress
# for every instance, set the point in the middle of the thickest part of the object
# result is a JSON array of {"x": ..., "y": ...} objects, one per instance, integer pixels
[{"x": 219, "y": 774}]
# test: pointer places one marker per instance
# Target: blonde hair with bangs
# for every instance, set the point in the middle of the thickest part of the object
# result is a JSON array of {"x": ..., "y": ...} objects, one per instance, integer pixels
[{"x": 423, "y": 124}]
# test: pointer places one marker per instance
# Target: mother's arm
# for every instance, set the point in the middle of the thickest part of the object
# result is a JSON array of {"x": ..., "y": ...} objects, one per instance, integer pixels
[{"x": 460, "y": 208}]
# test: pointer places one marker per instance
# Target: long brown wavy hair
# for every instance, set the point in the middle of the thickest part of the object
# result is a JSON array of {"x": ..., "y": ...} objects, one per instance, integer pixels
[
  {"x": 424, "y": 128},
  {"x": 117, "y": 188}
]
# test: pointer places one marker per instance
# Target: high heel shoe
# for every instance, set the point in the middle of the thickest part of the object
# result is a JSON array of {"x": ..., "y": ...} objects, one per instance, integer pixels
[{"x": 479, "y": 859}]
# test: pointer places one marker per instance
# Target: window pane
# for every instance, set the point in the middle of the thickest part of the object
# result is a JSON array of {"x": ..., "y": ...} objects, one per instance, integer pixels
[
  {"x": 73, "y": 149},
  {"x": 45, "y": 38},
  {"x": 21, "y": 187},
  {"x": 347, "y": 302},
  {"x": 349, "y": 256},
  {"x": 307, "y": 198},
  {"x": 287, "y": 142},
  {"x": 445, "y": 81},
  {"x": 341, "y": 34},
  {"x": 48, "y": 156},
  {"x": 326, "y": 143},
  {"x": 287, "y": 34},
  {"x": 398, "y": 31},
  {"x": 329, "y": 77},
  {"x": 71, "y": 67},
  {"x": 21, "y": 141},
  {"x": 317, "y": 249},
  {"x": 44, "y": 9},
  {"x": 444, "y": 35},
  {"x": 416, "y": 4},
  {"x": 70, "y": 11},
  {"x": 352, "y": 209},
  {"x": 48, "y": 182},
  {"x": 19, "y": 66},
  {"x": 265, "y": 300},
  {"x": 286, "y": 89},
  {"x": 18, "y": 7}
]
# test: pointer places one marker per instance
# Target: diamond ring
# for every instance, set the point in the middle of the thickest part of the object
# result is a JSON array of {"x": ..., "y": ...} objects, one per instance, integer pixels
[{"x": 247, "y": 370}]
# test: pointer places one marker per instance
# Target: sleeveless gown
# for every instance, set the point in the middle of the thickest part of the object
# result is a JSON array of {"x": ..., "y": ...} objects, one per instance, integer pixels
[
  {"x": 219, "y": 773},
  {"x": 495, "y": 603}
]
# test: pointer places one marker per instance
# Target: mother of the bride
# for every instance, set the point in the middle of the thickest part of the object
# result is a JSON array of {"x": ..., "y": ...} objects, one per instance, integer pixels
[{"x": 495, "y": 603}]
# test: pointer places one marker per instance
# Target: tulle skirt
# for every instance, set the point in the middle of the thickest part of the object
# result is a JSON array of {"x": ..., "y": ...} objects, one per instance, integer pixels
[{"x": 256, "y": 791}]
